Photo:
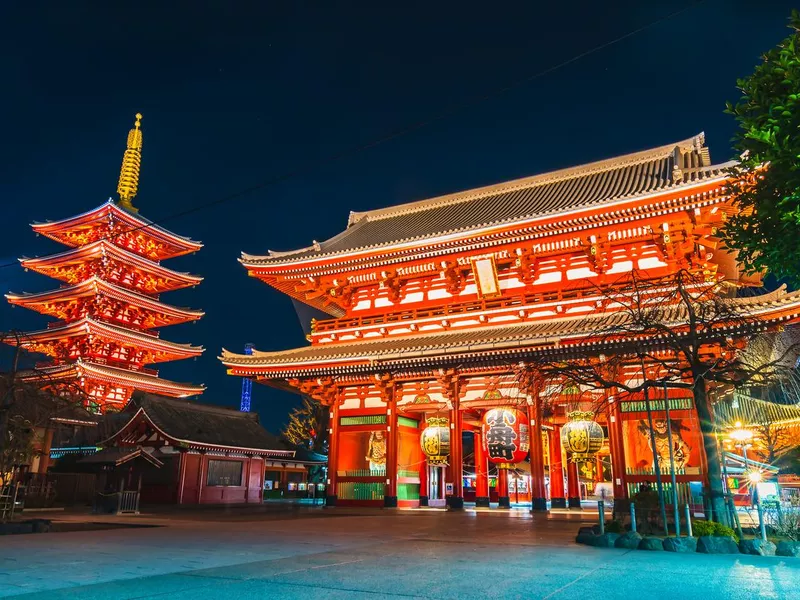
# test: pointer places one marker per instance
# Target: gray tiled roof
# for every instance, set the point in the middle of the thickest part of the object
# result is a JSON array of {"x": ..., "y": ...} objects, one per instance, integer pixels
[
  {"x": 203, "y": 423},
  {"x": 660, "y": 169}
]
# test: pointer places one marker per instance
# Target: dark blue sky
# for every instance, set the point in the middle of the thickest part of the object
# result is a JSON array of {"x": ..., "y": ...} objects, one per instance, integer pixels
[{"x": 233, "y": 96}]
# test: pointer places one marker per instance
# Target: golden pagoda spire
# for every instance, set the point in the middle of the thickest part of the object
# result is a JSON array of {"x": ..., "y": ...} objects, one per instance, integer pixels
[{"x": 131, "y": 162}]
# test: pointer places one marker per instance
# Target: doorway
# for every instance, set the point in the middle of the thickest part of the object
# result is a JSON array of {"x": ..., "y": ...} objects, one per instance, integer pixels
[{"x": 436, "y": 486}]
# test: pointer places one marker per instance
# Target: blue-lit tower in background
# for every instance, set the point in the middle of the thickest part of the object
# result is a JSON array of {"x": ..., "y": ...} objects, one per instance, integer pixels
[{"x": 247, "y": 384}]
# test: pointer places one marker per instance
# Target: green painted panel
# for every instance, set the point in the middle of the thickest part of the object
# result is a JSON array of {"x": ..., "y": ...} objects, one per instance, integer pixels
[
  {"x": 641, "y": 406},
  {"x": 365, "y": 420},
  {"x": 354, "y": 490},
  {"x": 407, "y": 422},
  {"x": 408, "y": 491}
]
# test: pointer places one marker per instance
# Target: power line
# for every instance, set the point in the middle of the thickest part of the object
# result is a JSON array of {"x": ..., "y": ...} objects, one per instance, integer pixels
[{"x": 312, "y": 165}]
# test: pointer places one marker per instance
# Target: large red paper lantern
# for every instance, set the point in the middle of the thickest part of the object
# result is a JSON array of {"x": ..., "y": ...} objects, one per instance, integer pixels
[{"x": 506, "y": 435}]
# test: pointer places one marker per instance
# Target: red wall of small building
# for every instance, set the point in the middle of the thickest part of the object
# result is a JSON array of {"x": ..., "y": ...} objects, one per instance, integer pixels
[{"x": 249, "y": 492}]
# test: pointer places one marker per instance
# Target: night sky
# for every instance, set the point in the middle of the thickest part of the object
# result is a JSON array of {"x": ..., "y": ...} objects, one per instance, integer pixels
[{"x": 238, "y": 93}]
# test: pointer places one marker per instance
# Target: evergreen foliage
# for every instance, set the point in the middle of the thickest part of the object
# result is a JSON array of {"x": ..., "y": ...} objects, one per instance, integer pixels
[{"x": 766, "y": 184}]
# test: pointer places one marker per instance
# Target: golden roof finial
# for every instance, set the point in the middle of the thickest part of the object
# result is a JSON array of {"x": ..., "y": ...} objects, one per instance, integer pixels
[{"x": 131, "y": 163}]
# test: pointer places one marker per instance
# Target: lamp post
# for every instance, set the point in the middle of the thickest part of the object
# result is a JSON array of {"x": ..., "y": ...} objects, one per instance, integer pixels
[
  {"x": 741, "y": 436},
  {"x": 755, "y": 479},
  {"x": 672, "y": 465}
]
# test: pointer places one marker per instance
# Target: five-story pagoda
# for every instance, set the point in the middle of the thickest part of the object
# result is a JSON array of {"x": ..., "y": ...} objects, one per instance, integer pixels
[{"x": 109, "y": 307}]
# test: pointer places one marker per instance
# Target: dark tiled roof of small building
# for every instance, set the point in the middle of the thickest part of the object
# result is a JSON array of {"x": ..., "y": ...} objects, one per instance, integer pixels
[
  {"x": 657, "y": 170},
  {"x": 203, "y": 424}
]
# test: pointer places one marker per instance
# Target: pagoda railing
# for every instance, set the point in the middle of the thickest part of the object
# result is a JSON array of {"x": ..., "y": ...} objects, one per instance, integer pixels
[
  {"x": 121, "y": 324},
  {"x": 111, "y": 363},
  {"x": 454, "y": 309}
]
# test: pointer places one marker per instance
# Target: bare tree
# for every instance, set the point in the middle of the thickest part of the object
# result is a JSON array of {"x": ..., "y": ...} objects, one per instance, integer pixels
[
  {"x": 775, "y": 438},
  {"x": 308, "y": 426},
  {"x": 683, "y": 331}
]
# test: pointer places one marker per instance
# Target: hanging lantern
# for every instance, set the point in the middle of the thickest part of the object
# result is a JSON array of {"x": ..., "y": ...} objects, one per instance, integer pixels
[
  {"x": 582, "y": 437},
  {"x": 435, "y": 440},
  {"x": 506, "y": 436}
]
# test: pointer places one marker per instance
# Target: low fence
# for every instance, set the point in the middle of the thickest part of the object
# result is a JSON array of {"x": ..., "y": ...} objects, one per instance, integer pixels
[{"x": 59, "y": 489}]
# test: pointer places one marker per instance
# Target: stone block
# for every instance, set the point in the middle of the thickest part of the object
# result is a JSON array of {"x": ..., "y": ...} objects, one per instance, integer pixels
[
  {"x": 607, "y": 540},
  {"x": 651, "y": 543},
  {"x": 758, "y": 547},
  {"x": 717, "y": 544},
  {"x": 39, "y": 525},
  {"x": 680, "y": 544},
  {"x": 629, "y": 540},
  {"x": 585, "y": 538},
  {"x": 788, "y": 548}
]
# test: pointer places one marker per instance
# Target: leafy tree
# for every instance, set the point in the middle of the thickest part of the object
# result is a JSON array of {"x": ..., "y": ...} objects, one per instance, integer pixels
[{"x": 766, "y": 180}]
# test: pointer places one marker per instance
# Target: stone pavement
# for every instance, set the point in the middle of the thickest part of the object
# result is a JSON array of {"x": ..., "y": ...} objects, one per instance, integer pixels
[{"x": 335, "y": 553}]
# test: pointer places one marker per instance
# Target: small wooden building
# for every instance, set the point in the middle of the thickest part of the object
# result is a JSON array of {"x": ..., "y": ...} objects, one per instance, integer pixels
[{"x": 196, "y": 453}]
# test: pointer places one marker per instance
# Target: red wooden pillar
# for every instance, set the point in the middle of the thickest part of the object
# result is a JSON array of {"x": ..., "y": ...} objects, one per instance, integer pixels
[
  {"x": 423, "y": 472},
  {"x": 247, "y": 479},
  {"x": 261, "y": 477},
  {"x": 200, "y": 479},
  {"x": 390, "y": 492},
  {"x": 182, "y": 475},
  {"x": 502, "y": 487},
  {"x": 538, "y": 491},
  {"x": 456, "y": 470},
  {"x": 573, "y": 490},
  {"x": 618, "y": 468},
  {"x": 481, "y": 472},
  {"x": 557, "y": 498},
  {"x": 333, "y": 455}
]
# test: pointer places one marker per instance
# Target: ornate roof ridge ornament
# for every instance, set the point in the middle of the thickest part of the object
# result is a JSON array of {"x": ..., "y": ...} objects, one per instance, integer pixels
[{"x": 131, "y": 164}]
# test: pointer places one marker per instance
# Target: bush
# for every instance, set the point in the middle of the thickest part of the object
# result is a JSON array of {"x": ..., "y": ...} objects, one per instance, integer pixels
[
  {"x": 702, "y": 527},
  {"x": 784, "y": 522}
]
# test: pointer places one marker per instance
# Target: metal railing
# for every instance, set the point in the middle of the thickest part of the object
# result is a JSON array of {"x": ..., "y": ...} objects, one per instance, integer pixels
[
  {"x": 9, "y": 495},
  {"x": 117, "y": 503}
]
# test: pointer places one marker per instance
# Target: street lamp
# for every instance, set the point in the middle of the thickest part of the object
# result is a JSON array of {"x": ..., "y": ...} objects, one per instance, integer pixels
[
  {"x": 741, "y": 436},
  {"x": 755, "y": 479}
]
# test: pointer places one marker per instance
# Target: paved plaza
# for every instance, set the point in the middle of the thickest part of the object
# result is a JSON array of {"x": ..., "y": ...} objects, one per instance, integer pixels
[{"x": 333, "y": 553}]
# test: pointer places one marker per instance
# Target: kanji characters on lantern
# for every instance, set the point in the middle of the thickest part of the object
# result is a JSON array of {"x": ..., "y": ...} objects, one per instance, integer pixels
[
  {"x": 435, "y": 440},
  {"x": 582, "y": 437},
  {"x": 506, "y": 435}
]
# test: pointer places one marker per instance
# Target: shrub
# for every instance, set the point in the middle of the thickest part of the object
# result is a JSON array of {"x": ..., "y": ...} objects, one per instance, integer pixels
[
  {"x": 702, "y": 527},
  {"x": 784, "y": 522}
]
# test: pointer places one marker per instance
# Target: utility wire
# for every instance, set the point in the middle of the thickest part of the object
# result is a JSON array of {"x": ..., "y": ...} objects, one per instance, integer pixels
[{"x": 312, "y": 165}]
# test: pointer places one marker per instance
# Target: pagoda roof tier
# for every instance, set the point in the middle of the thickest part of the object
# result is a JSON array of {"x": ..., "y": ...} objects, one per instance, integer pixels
[
  {"x": 126, "y": 229},
  {"x": 481, "y": 344},
  {"x": 413, "y": 227},
  {"x": 72, "y": 266},
  {"x": 153, "y": 349},
  {"x": 119, "y": 377},
  {"x": 59, "y": 303}
]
